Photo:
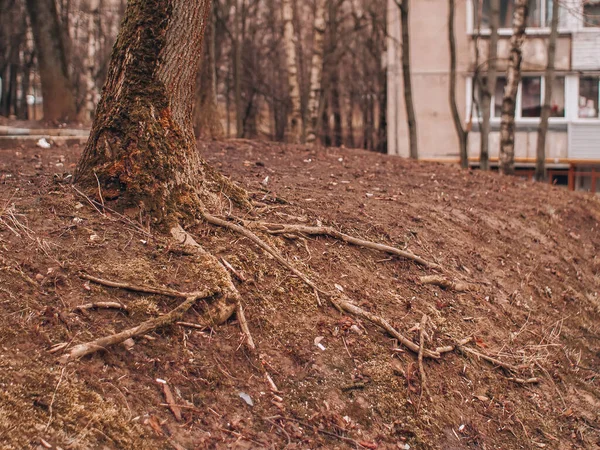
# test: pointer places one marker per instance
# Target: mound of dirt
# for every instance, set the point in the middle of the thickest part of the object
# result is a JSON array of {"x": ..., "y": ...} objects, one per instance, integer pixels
[{"x": 520, "y": 270}]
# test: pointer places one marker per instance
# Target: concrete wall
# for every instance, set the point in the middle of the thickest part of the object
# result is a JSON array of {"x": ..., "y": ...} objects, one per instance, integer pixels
[{"x": 430, "y": 63}]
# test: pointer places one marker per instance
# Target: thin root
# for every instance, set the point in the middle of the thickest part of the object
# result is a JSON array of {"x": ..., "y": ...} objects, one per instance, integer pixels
[{"x": 276, "y": 228}]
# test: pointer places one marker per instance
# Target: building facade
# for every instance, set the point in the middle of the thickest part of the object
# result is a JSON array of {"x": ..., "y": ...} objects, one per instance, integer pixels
[{"x": 573, "y": 141}]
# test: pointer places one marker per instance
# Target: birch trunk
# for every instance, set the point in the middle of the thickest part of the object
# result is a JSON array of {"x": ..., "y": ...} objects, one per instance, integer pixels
[
  {"x": 462, "y": 134},
  {"x": 406, "y": 75},
  {"x": 540, "y": 166},
  {"x": 316, "y": 72},
  {"x": 294, "y": 128},
  {"x": 489, "y": 87},
  {"x": 513, "y": 77},
  {"x": 141, "y": 151}
]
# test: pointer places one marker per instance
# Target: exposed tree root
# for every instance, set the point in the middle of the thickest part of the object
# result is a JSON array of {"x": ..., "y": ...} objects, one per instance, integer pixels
[
  {"x": 145, "y": 327},
  {"x": 276, "y": 228},
  {"x": 213, "y": 220},
  {"x": 346, "y": 305},
  {"x": 141, "y": 288},
  {"x": 445, "y": 283},
  {"x": 340, "y": 301}
]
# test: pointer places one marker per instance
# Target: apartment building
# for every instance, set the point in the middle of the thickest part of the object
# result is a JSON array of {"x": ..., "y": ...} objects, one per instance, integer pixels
[{"x": 573, "y": 142}]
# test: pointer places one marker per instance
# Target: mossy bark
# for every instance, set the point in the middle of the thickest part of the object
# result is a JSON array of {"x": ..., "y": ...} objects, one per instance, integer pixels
[{"x": 142, "y": 150}]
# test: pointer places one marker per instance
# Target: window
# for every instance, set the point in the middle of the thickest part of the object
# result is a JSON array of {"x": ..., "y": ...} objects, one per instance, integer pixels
[
  {"x": 591, "y": 13},
  {"x": 531, "y": 97},
  {"x": 540, "y": 13},
  {"x": 557, "y": 103},
  {"x": 588, "y": 97},
  {"x": 499, "y": 95}
]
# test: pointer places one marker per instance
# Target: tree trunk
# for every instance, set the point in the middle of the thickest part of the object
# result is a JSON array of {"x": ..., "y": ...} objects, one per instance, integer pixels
[
  {"x": 316, "y": 72},
  {"x": 462, "y": 134},
  {"x": 237, "y": 72},
  {"x": 57, "y": 91},
  {"x": 489, "y": 87},
  {"x": 141, "y": 151},
  {"x": 408, "y": 97},
  {"x": 207, "y": 121},
  {"x": 295, "y": 124},
  {"x": 513, "y": 77},
  {"x": 540, "y": 166}
]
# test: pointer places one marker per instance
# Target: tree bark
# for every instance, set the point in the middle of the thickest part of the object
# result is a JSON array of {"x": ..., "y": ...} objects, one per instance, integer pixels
[
  {"x": 461, "y": 132},
  {"x": 316, "y": 72},
  {"x": 57, "y": 91},
  {"x": 294, "y": 128},
  {"x": 513, "y": 77},
  {"x": 408, "y": 97},
  {"x": 207, "y": 121},
  {"x": 540, "y": 166},
  {"x": 141, "y": 151}
]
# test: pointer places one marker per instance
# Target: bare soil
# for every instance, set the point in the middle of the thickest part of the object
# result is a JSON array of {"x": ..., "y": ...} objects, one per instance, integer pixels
[{"x": 530, "y": 253}]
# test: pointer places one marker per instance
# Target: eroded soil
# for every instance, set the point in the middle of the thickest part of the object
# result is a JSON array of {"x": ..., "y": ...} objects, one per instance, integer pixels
[{"x": 529, "y": 251}]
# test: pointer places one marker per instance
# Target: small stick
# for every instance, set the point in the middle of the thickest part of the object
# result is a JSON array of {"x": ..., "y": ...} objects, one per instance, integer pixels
[
  {"x": 275, "y": 228},
  {"x": 101, "y": 305},
  {"x": 235, "y": 273},
  {"x": 451, "y": 348},
  {"x": 445, "y": 283},
  {"x": 494, "y": 361},
  {"x": 244, "y": 326},
  {"x": 524, "y": 381},
  {"x": 176, "y": 410},
  {"x": 192, "y": 325},
  {"x": 420, "y": 358},
  {"x": 99, "y": 190}
]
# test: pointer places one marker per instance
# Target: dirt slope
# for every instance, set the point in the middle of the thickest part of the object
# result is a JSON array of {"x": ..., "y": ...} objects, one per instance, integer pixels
[{"x": 529, "y": 253}]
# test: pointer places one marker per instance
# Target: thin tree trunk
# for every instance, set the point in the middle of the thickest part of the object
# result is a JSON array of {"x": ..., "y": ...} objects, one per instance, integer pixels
[
  {"x": 489, "y": 87},
  {"x": 408, "y": 97},
  {"x": 142, "y": 150},
  {"x": 513, "y": 77},
  {"x": 207, "y": 121},
  {"x": 316, "y": 72},
  {"x": 540, "y": 166},
  {"x": 461, "y": 132},
  {"x": 237, "y": 73},
  {"x": 295, "y": 126},
  {"x": 57, "y": 90}
]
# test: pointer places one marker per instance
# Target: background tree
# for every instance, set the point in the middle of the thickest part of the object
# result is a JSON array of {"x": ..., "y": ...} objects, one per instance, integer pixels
[
  {"x": 513, "y": 77},
  {"x": 316, "y": 72},
  {"x": 406, "y": 78},
  {"x": 487, "y": 86},
  {"x": 461, "y": 131},
  {"x": 540, "y": 165},
  {"x": 59, "y": 103},
  {"x": 207, "y": 123},
  {"x": 295, "y": 124}
]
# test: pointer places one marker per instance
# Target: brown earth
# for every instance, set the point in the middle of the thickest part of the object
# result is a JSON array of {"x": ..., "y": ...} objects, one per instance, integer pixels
[{"x": 529, "y": 253}]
